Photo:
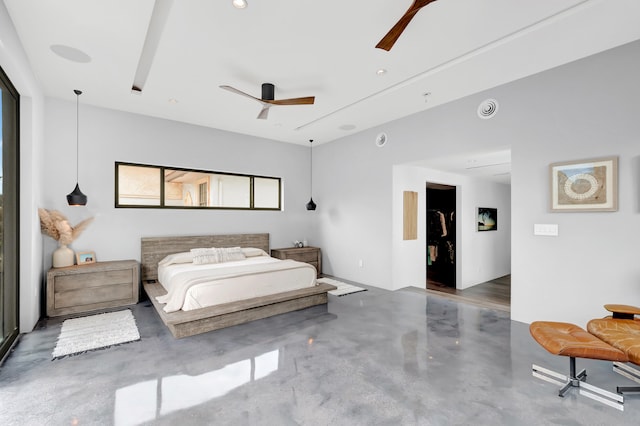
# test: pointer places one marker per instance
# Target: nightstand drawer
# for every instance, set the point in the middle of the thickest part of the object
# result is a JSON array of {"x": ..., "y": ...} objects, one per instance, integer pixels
[
  {"x": 93, "y": 279},
  {"x": 88, "y": 296},
  {"x": 308, "y": 256}
]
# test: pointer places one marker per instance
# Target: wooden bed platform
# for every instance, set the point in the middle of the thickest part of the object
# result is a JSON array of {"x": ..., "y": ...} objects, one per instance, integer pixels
[{"x": 189, "y": 323}]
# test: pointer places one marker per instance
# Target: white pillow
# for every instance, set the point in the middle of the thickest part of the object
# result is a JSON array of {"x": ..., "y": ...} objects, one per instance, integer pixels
[
  {"x": 253, "y": 252},
  {"x": 217, "y": 255},
  {"x": 186, "y": 257}
]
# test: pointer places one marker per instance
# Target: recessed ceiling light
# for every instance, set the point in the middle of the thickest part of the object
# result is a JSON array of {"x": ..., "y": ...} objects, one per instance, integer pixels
[
  {"x": 239, "y": 4},
  {"x": 381, "y": 71},
  {"x": 173, "y": 101},
  {"x": 70, "y": 53}
]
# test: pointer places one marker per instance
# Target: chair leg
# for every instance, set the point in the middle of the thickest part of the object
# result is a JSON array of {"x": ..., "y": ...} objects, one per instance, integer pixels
[
  {"x": 578, "y": 381},
  {"x": 573, "y": 381},
  {"x": 630, "y": 373},
  {"x": 627, "y": 389}
]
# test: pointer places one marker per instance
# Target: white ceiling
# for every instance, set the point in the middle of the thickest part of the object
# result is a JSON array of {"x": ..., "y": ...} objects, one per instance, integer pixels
[
  {"x": 451, "y": 49},
  {"x": 489, "y": 165}
]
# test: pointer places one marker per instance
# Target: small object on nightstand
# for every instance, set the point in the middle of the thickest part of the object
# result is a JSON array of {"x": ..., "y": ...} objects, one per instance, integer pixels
[
  {"x": 85, "y": 257},
  {"x": 310, "y": 255}
]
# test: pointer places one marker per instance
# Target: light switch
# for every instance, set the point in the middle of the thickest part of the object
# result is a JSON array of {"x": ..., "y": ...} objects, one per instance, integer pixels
[{"x": 546, "y": 229}]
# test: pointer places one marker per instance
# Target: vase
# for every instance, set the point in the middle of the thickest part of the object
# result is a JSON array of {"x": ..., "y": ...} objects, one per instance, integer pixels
[{"x": 63, "y": 256}]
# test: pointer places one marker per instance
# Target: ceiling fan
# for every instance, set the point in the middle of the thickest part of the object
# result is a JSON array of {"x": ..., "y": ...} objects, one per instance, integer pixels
[
  {"x": 267, "y": 100},
  {"x": 394, "y": 33}
]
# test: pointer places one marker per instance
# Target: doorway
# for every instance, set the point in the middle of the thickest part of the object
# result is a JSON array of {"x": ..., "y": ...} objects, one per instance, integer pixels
[{"x": 441, "y": 236}]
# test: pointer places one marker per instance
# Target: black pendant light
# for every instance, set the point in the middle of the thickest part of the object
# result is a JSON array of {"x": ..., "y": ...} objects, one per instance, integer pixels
[
  {"x": 77, "y": 198},
  {"x": 311, "y": 205}
]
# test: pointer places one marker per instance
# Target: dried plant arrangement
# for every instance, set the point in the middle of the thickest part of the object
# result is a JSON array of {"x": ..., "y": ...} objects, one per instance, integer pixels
[{"x": 57, "y": 226}]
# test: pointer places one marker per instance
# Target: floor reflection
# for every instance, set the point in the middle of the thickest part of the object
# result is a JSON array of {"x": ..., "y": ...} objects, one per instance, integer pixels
[{"x": 150, "y": 400}]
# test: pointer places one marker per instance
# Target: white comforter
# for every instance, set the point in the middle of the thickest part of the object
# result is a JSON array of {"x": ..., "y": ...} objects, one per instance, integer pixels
[{"x": 230, "y": 281}]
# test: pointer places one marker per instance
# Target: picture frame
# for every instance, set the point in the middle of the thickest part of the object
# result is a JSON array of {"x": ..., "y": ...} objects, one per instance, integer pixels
[
  {"x": 487, "y": 219},
  {"x": 584, "y": 185},
  {"x": 85, "y": 257}
]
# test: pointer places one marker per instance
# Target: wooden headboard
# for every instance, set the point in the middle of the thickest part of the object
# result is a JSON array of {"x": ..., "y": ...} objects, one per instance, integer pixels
[{"x": 154, "y": 249}]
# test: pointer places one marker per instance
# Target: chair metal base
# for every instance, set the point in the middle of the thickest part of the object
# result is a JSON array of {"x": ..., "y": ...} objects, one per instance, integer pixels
[
  {"x": 630, "y": 373},
  {"x": 578, "y": 380}
]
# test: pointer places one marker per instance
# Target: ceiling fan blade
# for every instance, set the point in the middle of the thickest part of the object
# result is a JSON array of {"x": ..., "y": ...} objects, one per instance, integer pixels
[
  {"x": 396, "y": 31},
  {"x": 309, "y": 100},
  {"x": 264, "y": 113},
  {"x": 239, "y": 92},
  {"x": 268, "y": 103}
]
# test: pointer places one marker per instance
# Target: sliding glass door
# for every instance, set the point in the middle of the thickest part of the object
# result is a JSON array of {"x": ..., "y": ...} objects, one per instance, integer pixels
[{"x": 9, "y": 191}]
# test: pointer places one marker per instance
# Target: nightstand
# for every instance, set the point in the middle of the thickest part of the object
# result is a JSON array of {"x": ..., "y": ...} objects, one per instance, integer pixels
[
  {"x": 83, "y": 288},
  {"x": 311, "y": 255}
]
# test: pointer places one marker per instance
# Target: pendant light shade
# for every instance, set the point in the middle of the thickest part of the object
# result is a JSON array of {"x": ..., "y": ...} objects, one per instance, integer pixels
[
  {"x": 311, "y": 205},
  {"x": 77, "y": 198}
]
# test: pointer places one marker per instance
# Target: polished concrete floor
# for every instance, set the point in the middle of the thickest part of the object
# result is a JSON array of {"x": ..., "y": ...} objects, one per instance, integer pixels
[{"x": 370, "y": 358}]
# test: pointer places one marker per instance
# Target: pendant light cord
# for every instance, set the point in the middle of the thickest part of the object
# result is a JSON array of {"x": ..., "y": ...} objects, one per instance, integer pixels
[
  {"x": 78, "y": 93},
  {"x": 311, "y": 166}
]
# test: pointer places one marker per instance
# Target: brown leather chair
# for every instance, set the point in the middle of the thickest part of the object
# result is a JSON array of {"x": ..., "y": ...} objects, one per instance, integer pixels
[
  {"x": 622, "y": 331},
  {"x": 565, "y": 339}
]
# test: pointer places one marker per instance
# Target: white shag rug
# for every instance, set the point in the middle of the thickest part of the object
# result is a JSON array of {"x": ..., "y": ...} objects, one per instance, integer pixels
[
  {"x": 79, "y": 335},
  {"x": 343, "y": 288}
]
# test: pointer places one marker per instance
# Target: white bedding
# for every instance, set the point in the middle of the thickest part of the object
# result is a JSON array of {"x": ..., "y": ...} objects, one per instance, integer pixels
[{"x": 190, "y": 286}]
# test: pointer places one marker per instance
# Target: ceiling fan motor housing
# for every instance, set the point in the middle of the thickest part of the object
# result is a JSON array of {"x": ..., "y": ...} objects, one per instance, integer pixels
[{"x": 268, "y": 91}]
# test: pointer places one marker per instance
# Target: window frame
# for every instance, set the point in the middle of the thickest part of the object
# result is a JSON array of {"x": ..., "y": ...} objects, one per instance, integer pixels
[
  {"x": 163, "y": 205},
  {"x": 10, "y": 181}
]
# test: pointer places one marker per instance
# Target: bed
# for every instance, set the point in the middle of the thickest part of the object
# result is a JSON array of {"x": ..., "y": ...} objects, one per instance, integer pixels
[{"x": 234, "y": 310}]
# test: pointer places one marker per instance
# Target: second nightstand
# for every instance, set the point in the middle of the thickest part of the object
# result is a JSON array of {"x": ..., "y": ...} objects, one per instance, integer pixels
[{"x": 311, "y": 255}]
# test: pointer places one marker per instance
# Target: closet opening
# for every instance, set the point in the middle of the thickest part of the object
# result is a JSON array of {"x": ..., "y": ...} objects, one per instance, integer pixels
[{"x": 441, "y": 236}]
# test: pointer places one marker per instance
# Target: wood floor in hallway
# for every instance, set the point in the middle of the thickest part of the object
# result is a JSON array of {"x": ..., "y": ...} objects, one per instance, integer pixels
[{"x": 494, "y": 294}]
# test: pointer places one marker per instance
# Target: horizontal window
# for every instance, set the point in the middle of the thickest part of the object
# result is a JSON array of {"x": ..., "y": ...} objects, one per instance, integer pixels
[{"x": 147, "y": 186}]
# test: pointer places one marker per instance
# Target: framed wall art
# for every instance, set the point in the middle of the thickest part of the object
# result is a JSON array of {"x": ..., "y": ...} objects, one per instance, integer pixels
[
  {"x": 585, "y": 185},
  {"x": 487, "y": 219},
  {"x": 85, "y": 257}
]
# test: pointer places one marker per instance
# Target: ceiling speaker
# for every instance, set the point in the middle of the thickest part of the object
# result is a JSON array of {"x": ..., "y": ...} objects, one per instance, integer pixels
[
  {"x": 381, "y": 140},
  {"x": 487, "y": 109}
]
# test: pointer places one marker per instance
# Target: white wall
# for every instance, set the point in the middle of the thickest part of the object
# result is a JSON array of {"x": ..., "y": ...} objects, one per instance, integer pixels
[
  {"x": 486, "y": 255},
  {"x": 352, "y": 188},
  {"x": 585, "y": 109},
  {"x": 107, "y": 136},
  {"x": 15, "y": 64},
  {"x": 355, "y": 193},
  {"x": 581, "y": 111},
  {"x": 480, "y": 256}
]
